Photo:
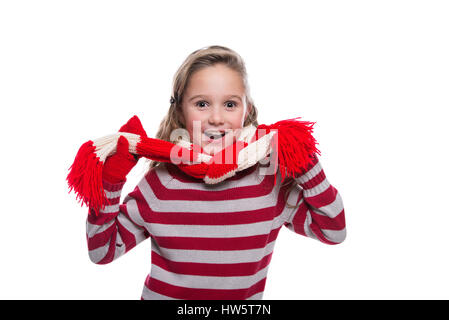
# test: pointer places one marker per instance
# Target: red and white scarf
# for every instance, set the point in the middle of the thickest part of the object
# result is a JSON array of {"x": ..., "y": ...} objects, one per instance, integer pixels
[{"x": 289, "y": 141}]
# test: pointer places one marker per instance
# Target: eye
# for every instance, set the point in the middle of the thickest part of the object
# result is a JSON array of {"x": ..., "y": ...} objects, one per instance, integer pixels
[
  {"x": 199, "y": 103},
  {"x": 231, "y": 103}
]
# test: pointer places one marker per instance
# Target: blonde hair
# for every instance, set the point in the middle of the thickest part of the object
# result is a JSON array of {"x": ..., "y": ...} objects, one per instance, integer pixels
[{"x": 197, "y": 60}]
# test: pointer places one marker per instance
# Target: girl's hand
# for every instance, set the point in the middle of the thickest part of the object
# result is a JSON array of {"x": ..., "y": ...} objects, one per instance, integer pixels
[{"x": 117, "y": 166}]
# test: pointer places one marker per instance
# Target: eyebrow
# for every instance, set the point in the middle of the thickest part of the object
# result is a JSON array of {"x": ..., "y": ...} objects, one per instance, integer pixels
[{"x": 202, "y": 95}]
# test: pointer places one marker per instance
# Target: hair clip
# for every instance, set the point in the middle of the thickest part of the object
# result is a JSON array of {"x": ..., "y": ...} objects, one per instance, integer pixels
[{"x": 172, "y": 100}]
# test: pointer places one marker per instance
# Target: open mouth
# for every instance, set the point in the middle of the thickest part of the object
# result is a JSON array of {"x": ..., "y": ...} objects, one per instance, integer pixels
[{"x": 214, "y": 136}]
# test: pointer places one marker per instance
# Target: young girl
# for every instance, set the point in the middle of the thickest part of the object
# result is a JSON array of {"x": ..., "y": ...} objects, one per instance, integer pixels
[{"x": 208, "y": 241}]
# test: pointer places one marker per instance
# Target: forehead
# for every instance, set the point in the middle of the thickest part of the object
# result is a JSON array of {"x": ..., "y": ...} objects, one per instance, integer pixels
[{"x": 217, "y": 79}]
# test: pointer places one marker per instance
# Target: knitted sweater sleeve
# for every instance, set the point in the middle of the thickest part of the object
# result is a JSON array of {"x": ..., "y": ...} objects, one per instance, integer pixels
[
  {"x": 116, "y": 229},
  {"x": 320, "y": 214}
]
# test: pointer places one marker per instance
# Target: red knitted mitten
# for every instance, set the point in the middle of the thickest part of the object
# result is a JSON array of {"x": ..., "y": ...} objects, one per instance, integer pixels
[
  {"x": 117, "y": 166},
  {"x": 134, "y": 126}
]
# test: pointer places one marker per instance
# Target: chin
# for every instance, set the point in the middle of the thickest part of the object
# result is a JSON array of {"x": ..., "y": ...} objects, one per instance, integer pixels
[{"x": 212, "y": 149}]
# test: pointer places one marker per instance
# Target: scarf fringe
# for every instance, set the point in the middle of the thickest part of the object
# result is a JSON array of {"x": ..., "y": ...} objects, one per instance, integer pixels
[
  {"x": 294, "y": 145},
  {"x": 85, "y": 178}
]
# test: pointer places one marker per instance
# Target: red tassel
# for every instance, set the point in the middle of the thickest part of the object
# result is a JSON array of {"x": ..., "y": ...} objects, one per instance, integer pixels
[
  {"x": 296, "y": 147},
  {"x": 85, "y": 178}
]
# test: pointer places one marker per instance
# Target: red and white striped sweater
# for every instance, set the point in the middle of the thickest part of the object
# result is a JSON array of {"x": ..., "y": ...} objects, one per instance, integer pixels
[{"x": 212, "y": 241}]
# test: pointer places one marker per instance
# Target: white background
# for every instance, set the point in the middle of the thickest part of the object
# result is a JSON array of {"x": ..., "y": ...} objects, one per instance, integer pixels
[{"x": 374, "y": 75}]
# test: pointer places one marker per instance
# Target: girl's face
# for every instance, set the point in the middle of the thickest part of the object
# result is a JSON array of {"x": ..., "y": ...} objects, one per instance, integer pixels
[{"x": 214, "y": 105}]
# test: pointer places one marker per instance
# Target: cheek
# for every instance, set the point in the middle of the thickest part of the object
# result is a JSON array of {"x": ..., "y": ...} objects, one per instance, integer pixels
[
  {"x": 238, "y": 121},
  {"x": 194, "y": 136},
  {"x": 189, "y": 124},
  {"x": 192, "y": 117}
]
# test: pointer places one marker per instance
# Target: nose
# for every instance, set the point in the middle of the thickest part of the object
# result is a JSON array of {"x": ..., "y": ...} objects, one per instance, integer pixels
[{"x": 216, "y": 117}]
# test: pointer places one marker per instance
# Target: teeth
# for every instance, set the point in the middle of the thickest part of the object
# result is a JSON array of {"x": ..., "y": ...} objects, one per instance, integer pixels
[{"x": 215, "y": 133}]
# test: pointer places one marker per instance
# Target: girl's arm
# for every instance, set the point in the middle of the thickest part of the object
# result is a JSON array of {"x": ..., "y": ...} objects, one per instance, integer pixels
[
  {"x": 320, "y": 214},
  {"x": 116, "y": 229}
]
